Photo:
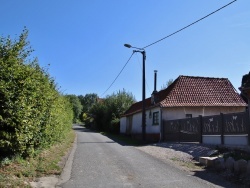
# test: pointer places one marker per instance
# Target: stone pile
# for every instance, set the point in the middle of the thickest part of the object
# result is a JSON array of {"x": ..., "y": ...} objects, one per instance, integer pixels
[{"x": 239, "y": 167}]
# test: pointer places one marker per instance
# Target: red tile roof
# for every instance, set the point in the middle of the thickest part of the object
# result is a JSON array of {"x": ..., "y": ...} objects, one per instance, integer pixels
[{"x": 194, "y": 91}]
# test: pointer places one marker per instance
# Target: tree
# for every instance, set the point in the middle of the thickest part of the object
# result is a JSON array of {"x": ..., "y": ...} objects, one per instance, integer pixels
[
  {"x": 87, "y": 102},
  {"x": 107, "y": 113},
  {"x": 169, "y": 82},
  {"x": 76, "y": 106}
]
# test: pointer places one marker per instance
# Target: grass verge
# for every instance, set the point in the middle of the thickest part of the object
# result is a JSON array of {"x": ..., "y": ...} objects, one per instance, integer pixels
[{"x": 18, "y": 172}]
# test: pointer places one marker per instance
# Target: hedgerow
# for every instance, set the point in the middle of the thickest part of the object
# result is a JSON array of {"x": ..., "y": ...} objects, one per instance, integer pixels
[{"x": 33, "y": 113}]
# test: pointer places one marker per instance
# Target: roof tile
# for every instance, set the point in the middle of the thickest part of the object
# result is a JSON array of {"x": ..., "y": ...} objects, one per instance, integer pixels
[{"x": 195, "y": 91}]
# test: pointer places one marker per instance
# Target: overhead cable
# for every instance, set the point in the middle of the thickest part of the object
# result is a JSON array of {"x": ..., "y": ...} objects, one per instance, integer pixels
[
  {"x": 190, "y": 24},
  {"x": 118, "y": 74}
]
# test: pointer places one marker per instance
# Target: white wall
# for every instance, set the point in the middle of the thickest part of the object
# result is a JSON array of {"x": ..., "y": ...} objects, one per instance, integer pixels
[
  {"x": 137, "y": 125},
  {"x": 150, "y": 128},
  {"x": 211, "y": 139},
  {"x": 172, "y": 113},
  {"x": 237, "y": 140},
  {"x": 123, "y": 125}
]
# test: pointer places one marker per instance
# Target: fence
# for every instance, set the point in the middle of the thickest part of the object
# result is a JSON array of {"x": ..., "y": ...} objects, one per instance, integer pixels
[{"x": 219, "y": 129}]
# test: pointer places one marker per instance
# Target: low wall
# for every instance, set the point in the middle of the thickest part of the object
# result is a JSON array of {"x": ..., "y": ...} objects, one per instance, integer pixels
[
  {"x": 228, "y": 139},
  {"x": 225, "y": 129}
]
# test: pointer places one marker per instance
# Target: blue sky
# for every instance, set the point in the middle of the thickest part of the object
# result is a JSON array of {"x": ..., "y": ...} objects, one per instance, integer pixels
[{"x": 82, "y": 40}]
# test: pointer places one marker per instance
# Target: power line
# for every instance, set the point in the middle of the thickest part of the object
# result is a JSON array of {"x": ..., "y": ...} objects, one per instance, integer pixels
[
  {"x": 118, "y": 74},
  {"x": 168, "y": 37},
  {"x": 190, "y": 24}
]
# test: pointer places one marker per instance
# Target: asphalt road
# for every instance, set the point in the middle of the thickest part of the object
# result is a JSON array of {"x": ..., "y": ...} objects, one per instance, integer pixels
[{"x": 99, "y": 162}]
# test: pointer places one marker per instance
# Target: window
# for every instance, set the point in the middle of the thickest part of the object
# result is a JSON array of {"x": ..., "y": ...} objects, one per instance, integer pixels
[
  {"x": 156, "y": 118},
  {"x": 188, "y": 115}
]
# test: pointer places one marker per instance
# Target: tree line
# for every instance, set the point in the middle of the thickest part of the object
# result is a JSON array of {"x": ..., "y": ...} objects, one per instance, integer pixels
[{"x": 102, "y": 114}]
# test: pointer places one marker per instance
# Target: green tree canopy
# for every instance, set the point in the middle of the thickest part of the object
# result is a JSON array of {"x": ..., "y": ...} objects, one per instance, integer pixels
[
  {"x": 169, "y": 82},
  {"x": 76, "y": 106},
  {"x": 88, "y": 101},
  {"x": 107, "y": 112},
  {"x": 33, "y": 114}
]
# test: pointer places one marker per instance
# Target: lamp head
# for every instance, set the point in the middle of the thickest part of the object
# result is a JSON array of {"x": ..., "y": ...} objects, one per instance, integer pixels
[{"x": 127, "y": 45}]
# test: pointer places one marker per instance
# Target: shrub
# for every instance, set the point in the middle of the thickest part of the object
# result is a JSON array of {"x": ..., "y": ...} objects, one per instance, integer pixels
[{"x": 33, "y": 114}]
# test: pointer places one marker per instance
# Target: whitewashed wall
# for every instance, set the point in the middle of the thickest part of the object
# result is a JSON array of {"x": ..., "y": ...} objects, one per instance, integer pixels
[
  {"x": 172, "y": 113},
  {"x": 137, "y": 125},
  {"x": 150, "y": 128},
  {"x": 123, "y": 125}
]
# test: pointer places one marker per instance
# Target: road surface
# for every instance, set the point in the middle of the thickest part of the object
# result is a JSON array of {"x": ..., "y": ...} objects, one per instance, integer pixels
[{"x": 99, "y": 162}]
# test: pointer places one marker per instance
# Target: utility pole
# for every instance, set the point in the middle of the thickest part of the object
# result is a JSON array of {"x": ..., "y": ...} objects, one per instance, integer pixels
[{"x": 143, "y": 52}]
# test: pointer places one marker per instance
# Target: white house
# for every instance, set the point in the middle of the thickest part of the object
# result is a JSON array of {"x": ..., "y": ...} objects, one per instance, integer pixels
[{"x": 186, "y": 97}]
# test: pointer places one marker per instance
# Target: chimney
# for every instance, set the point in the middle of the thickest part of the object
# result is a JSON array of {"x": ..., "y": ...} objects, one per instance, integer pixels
[
  {"x": 155, "y": 80},
  {"x": 153, "y": 95}
]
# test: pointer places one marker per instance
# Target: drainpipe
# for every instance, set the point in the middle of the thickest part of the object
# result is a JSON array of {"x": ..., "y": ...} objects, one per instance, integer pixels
[{"x": 162, "y": 128}]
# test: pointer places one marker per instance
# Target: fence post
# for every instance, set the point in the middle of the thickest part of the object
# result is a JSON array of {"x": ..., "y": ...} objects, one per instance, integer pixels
[
  {"x": 179, "y": 131},
  {"x": 162, "y": 130},
  {"x": 248, "y": 123},
  {"x": 222, "y": 128},
  {"x": 201, "y": 128}
]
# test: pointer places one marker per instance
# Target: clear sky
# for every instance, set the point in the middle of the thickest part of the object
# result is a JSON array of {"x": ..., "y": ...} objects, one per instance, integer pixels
[{"x": 83, "y": 40}]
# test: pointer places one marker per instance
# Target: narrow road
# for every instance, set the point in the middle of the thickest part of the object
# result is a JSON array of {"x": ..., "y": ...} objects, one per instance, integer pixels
[{"x": 99, "y": 162}]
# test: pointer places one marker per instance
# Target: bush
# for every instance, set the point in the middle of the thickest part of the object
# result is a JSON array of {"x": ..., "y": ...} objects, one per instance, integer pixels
[
  {"x": 33, "y": 114},
  {"x": 115, "y": 126},
  {"x": 107, "y": 112}
]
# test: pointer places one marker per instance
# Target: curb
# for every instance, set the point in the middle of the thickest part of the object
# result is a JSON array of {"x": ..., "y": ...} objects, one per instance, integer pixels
[{"x": 66, "y": 173}]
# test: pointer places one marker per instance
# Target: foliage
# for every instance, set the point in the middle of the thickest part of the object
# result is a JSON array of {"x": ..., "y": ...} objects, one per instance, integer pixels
[
  {"x": 86, "y": 119},
  {"x": 33, "y": 114},
  {"x": 76, "y": 106},
  {"x": 169, "y": 82},
  {"x": 107, "y": 113},
  {"x": 87, "y": 102},
  {"x": 17, "y": 172}
]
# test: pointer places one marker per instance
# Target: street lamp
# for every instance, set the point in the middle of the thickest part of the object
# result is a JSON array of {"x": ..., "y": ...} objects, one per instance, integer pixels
[{"x": 143, "y": 52}]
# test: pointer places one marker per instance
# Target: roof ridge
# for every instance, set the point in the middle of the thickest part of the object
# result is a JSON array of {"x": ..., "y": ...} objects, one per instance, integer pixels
[{"x": 206, "y": 77}]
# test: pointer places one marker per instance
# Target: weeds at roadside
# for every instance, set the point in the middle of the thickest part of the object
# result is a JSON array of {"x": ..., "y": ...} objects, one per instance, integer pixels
[{"x": 17, "y": 172}]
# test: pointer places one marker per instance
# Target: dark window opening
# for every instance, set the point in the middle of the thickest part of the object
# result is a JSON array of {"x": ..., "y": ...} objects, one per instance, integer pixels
[{"x": 156, "y": 118}]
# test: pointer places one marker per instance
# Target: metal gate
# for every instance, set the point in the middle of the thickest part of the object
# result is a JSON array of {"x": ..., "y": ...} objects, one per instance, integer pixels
[{"x": 182, "y": 130}]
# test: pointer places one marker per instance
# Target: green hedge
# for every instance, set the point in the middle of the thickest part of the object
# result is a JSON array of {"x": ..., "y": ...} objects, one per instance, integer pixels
[{"x": 33, "y": 114}]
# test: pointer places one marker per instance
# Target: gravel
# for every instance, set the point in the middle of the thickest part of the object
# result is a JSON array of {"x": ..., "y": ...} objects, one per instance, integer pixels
[{"x": 177, "y": 153}]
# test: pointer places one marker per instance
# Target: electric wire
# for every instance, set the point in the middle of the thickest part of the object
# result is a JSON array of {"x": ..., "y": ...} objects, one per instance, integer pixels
[
  {"x": 190, "y": 24},
  {"x": 118, "y": 74},
  {"x": 168, "y": 37}
]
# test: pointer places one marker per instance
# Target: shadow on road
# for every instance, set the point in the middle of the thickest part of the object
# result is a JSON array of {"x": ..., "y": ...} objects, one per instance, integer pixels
[
  {"x": 116, "y": 138},
  {"x": 107, "y": 142},
  {"x": 216, "y": 178},
  {"x": 79, "y": 128}
]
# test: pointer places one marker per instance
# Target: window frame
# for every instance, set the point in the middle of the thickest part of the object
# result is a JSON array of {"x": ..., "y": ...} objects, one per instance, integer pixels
[{"x": 155, "y": 118}]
